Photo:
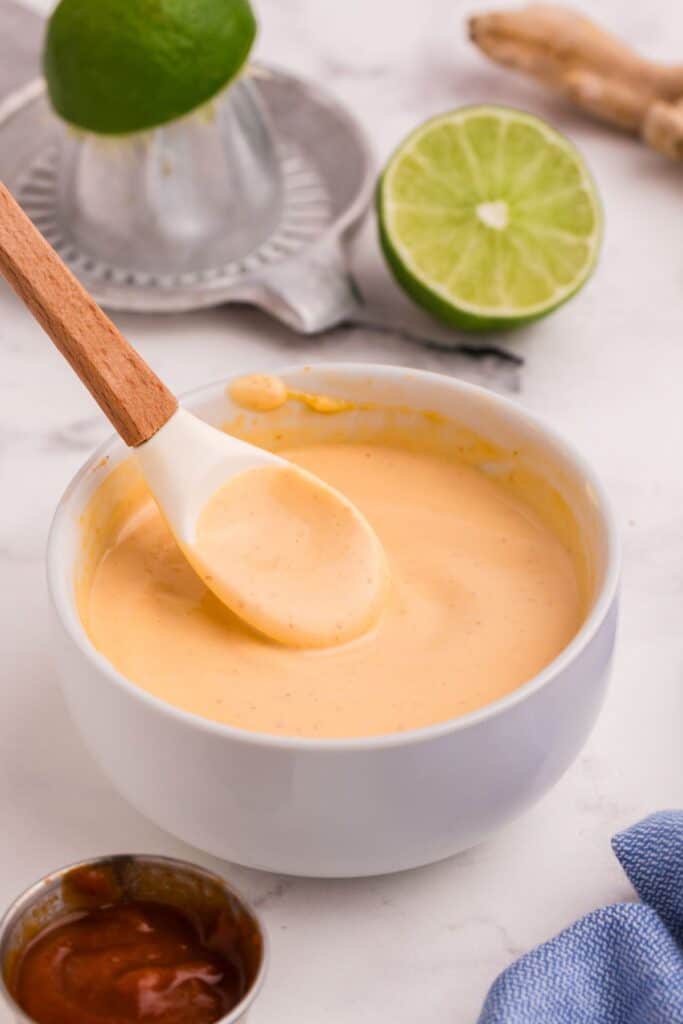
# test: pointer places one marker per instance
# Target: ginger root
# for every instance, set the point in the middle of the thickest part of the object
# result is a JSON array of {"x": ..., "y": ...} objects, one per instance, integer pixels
[{"x": 569, "y": 53}]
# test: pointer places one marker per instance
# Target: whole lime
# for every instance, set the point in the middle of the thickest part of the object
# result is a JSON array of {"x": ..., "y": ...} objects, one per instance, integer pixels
[{"x": 120, "y": 66}]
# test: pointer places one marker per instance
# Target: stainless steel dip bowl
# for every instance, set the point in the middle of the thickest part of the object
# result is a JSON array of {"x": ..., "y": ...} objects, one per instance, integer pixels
[{"x": 176, "y": 883}]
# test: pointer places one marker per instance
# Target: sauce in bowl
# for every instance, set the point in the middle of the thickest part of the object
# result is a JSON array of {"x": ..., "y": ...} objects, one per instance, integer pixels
[{"x": 482, "y": 595}]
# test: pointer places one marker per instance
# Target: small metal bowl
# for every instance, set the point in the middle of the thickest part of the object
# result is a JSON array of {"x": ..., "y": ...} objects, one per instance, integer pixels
[{"x": 176, "y": 883}]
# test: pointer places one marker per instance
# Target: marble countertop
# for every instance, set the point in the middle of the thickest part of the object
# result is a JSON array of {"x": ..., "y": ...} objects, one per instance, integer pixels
[{"x": 607, "y": 370}]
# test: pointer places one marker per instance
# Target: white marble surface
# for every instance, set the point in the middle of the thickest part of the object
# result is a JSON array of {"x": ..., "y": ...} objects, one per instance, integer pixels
[{"x": 608, "y": 370}]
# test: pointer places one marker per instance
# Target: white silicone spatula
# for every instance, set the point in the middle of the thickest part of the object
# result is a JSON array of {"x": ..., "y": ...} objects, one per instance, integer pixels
[{"x": 283, "y": 580}]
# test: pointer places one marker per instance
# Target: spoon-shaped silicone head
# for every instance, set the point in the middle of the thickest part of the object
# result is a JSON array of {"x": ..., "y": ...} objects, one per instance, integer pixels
[{"x": 287, "y": 553}]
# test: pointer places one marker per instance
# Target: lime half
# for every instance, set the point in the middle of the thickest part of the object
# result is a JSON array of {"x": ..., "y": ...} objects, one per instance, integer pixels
[
  {"x": 120, "y": 66},
  {"x": 489, "y": 217}
]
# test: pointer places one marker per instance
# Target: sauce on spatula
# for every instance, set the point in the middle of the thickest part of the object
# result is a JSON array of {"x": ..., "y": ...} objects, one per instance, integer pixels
[{"x": 293, "y": 557}]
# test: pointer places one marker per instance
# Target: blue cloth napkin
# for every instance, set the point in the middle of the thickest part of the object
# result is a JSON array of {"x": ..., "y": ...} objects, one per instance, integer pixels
[{"x": 619, "y": 965}]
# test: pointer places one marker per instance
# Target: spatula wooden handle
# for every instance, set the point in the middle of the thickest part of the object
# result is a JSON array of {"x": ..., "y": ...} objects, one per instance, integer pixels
[{"x": 120, "y": 381}]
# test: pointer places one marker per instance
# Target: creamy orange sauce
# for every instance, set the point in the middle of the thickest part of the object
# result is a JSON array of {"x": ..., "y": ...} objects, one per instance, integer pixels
[
  {"x": 292, "y": 557},
  {"x": 259, "y": 392},
  {"x": 483, "y": 595}
]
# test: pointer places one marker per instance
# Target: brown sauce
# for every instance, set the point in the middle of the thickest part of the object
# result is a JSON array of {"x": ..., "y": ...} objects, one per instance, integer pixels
[{"x": 125, "y": 962}]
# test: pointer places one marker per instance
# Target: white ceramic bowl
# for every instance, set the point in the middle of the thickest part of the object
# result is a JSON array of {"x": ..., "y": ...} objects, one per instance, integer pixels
[{"x": 360, "y": 806}]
